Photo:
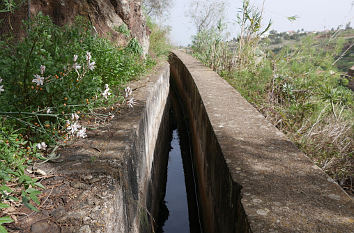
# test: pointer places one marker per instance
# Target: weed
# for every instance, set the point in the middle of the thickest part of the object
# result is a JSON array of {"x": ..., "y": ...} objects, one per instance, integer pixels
[{"x": 124, "y": 30}]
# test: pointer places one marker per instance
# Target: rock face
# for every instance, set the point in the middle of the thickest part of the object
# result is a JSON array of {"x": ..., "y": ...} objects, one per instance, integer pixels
[{"x": 105, "y": 15}]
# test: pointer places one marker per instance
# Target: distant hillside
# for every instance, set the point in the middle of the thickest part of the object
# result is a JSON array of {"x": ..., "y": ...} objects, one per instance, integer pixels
[{"x": 277, "y": 40}]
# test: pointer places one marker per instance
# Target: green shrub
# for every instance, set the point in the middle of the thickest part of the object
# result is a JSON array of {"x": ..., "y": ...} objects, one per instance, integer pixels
[
  {"x": 46, "y": 79},
  {"x": 124, "y": 30},
  {"x": 10, "y": 5}
]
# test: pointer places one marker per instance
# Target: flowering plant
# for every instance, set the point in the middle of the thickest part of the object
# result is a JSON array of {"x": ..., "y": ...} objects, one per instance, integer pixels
[{"x": 48, "y": 81}]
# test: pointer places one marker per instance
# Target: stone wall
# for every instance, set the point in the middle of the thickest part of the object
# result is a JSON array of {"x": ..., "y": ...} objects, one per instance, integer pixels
[{"x": 105, "y": 16}]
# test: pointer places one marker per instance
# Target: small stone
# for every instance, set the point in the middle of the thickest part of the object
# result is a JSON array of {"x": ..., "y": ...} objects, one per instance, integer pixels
[
  {"x": 263, "y": 212},
  {"x": 88, "y": 177},
  {"x": 257, "y": 201},
  {"x": 40, "y": 172}
]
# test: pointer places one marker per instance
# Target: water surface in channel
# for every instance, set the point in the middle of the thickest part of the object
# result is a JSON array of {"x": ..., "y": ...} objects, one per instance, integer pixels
[
  {"x": 176, "y": 195},
  {"x": 179, "y": 210}
]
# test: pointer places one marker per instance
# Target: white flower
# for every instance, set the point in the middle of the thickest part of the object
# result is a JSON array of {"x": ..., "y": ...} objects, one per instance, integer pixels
[
  {"x": 38, "y": 79},
  {"x": 75, "y": 57},
  {"x": 42, "y": 146},
  {"x": 131, "y": 102},
  {"x": 74, "y": 127},
  {"x": 76, "y": 66},
  {"x": 88, "y": 56},
  {"x": 82, "y": 133},
  {"x": 91, "y": 65},
  {"x": 2, "y": 86},
  {"x": 49, "y": 111},
  {"x": 128, "y": 92},
  {"x": 42, "y": 69},
  {"x": 74, "y": 116},
  {"x": 106, "y": 92}
]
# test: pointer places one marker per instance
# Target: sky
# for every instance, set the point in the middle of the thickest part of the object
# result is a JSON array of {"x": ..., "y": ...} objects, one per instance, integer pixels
[{"x": 313, "y": 15}]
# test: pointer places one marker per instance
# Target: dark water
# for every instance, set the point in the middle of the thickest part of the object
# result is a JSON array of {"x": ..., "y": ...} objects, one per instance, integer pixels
[
  {"x": 176, "y": 195},
  {"x": 179, "y": 212}
]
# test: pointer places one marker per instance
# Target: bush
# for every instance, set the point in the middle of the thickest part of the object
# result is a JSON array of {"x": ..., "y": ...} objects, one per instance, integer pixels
[{"x": 46, "y": 80}]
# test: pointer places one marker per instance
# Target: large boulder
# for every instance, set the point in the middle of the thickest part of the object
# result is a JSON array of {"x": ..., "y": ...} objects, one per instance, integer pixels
[{"x": 105, "y": 15}]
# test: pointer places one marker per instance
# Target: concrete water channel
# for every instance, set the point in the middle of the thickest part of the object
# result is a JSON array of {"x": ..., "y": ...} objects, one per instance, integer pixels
[
  {"x": 179, "y": 212},
  {"x": 246, "y": 175},
  {"x": 241, "y": 173},
  {"x": 249, "y": 177}
]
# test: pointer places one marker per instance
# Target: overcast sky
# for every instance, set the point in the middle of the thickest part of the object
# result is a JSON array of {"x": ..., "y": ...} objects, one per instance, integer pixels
[{"x": 313, "y": 15}]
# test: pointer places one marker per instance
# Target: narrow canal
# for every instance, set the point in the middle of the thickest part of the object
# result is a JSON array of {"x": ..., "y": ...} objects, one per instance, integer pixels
[
  {"x": 176, "y": 195},
  {"x": 179, "y": 212}
]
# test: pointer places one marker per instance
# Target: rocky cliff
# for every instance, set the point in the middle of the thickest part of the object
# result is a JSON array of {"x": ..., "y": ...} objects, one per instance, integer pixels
[{"x": 105, "y": 16}]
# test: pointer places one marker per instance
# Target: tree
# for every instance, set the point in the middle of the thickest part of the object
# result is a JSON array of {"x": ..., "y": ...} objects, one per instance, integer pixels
[
  {"x": 249, "y": 18},
  {"x": 206, "y": 14},
  {"x": 157, "y": 8},
  {"x": 273, "y": 32},
  {"x": 347, "y": 26}
]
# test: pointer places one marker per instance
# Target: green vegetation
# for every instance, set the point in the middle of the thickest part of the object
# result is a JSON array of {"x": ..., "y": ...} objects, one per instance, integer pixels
[
  {"x": 159, "y": 43},
  {"x": 297, "y": 87},
  {"x": 10, "y": 5},
  {"x": 48, "y": 81},
  {"x": 343, "y": 61}
]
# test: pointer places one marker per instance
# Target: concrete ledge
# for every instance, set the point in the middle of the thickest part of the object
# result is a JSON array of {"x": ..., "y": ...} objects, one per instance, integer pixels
[
  {"x": 251, "y": 177},
  {"x": 109, "y": 182}
]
